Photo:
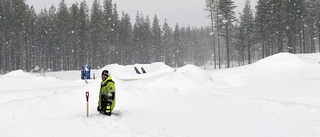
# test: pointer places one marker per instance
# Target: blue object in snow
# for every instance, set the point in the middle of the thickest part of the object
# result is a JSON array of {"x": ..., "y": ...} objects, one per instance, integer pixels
[{"x": 85, "y": 72}]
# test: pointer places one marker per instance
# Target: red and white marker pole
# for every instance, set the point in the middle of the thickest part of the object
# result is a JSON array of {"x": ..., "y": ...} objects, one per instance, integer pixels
[{"x": 87, "y": 96}]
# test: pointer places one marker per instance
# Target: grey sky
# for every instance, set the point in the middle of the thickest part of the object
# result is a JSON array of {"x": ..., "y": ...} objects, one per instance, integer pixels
[{"x": 191, "y": 12}]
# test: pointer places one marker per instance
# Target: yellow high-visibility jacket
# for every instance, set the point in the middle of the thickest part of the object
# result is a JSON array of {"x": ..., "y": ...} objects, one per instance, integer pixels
[{"x": 108, "y": 91}]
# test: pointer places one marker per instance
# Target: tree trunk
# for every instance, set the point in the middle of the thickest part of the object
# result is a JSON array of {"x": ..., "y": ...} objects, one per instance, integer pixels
[
  {"x": 228, "y": 50},
  {"x": 213, "y": 41},
  {"x": 218, "y": 37},
  {"x": 249, "y": 52},
  {"x": 319, "y": 41},
  {"x": 263, "y": 49},
  {"x": 290, "y": 47}
]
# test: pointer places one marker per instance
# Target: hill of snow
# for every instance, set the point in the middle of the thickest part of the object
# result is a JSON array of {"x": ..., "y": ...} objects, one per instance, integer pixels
[{"x": 278, "y": 96}]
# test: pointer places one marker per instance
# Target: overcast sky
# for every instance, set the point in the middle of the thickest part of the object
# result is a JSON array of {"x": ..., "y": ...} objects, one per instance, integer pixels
[{"x": 191, "y": 12}]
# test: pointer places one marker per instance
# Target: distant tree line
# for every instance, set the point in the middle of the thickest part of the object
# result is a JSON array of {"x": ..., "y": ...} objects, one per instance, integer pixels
[
  {"x": 65, "y": 38},
  {"x": 277, "y": 26}
]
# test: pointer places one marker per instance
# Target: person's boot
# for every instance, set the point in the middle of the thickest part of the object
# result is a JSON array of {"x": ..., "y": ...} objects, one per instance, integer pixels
[{"x": 108, "y": 109}]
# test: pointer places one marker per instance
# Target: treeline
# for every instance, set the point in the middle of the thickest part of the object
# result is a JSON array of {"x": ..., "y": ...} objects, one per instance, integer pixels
[
  {"x": 65, "y": 38},
  {"x": 277, "y": 26}
]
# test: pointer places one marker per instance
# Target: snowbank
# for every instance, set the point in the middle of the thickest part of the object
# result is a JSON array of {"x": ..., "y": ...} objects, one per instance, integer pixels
[
  {"x": 275, "y": 97},
  {"x": 281, "y": 61},
  {"x": 128, "y": 73}
]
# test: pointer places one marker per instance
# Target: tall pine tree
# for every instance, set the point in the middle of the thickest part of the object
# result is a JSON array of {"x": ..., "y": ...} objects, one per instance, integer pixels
[
  {"x": 156, "y": 40},
  {"x": 84, "y": 35},
  {"x": 246, "y": 30},
  {"x": 167, "y": 43},
  {"x": 226, "y": 8},
  {"x": 97, "y": 35},
  {"x": 125, "y": 37},
  {"x": 177, "y": 47}
]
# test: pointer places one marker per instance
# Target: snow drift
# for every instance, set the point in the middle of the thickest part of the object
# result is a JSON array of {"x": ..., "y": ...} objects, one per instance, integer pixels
[{"x": 275, "y": 97}]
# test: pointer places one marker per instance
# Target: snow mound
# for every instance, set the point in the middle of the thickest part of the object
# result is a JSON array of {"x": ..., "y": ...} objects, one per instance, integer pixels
[
  {"x": 311, "y": 58},
  {"x": 187, "y": 79},
  {"x": 18, "y": 73},
  {"x": 193, "y": 72},
  {"x": 128, "y": 72},
  {"x": 116, "y": 69},
  {"x": 263, "y": 69},
  {"x": 281, "y": 60},
  {"x": 184, "y": 102},
  {"x": 31, "y": 81}
]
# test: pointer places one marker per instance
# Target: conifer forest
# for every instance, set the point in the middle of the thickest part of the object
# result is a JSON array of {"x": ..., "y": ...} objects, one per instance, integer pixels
[{"x": 65, "y": 38}]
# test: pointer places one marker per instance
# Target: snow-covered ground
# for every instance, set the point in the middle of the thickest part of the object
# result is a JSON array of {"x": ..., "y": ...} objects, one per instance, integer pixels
[{"x": 278, "y": 96}]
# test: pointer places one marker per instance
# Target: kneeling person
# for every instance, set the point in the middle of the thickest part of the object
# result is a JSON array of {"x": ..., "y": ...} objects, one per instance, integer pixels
[{"x": 107, "y": 96}]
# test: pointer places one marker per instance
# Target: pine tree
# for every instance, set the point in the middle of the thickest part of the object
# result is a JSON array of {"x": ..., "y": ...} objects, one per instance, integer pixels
[
  {"x": 115, "y": 26},
  {"x": 156, "y": 39},
  {"x": 167, "y": 43},
  {"x": 7, "y": 18},
  {"x": 188, "y": 43},
  {"x": 317, "y": 18},
  {"x": 63, "y": 26},
  {"x": 18, "y": 10},
  {"x": 246, "y": 30},
  {"x": 261, "y": 24},
  {"x": 177, "y": 47},
  {"x": 96, "y": 33},
  {"x": 53, "y": 47},
  {"x": 196, "y": 48},
  {"x": 147, "y": 43},
  {"x": 226, "y": 10},
  {"x": 206, "y": 42},
  {"x": 2, "y": 29},
  {"x": 84, "y": 35},
  {"x": 312, "y": 24},
  {"x": 107, "y": 45},
  {"x": 277, "y": 25},
  {"x": 74, "y": 36},
  {"x": 137, "y": 38},
  {"x": 142, "y": 38},
  {"x": 302, "y": 26},
  {"x": 40, "y": 49},
  {"x": 29, "y": 38},
  {"x": 125, "y": 36},
  {"x": 293, "y": 9},
  {"x": 213, "y": 9}
]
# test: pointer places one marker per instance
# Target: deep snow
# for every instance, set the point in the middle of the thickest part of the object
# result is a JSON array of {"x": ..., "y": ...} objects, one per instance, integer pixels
[{"x": 277, "y": 96}]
